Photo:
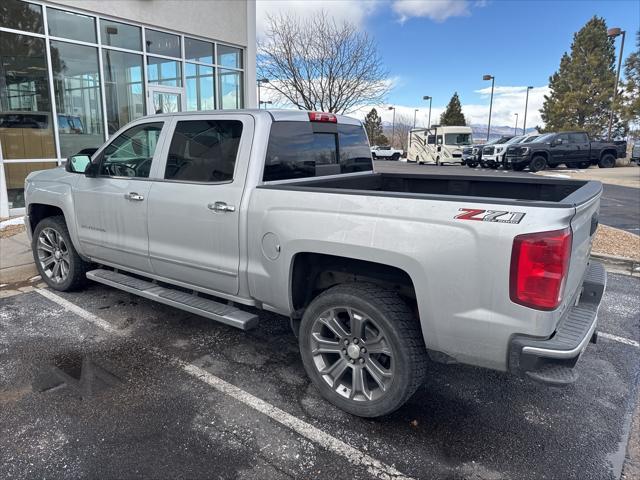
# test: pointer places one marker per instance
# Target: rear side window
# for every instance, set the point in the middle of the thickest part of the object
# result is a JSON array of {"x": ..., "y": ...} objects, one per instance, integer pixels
[
  {"x": 309, "y": 149},
  {"x": 204, "y": 151},
  {"x": 578, "y": 138}
]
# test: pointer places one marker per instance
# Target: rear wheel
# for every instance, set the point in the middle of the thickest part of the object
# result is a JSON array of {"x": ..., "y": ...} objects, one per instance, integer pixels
[
  {"x": 538, "y": 163},
  {"x": 56, "y": 259},
  {"x": 362, "y": 348},
  {"x": 584, "y": 165},
  {"x": 607, "y": 161},
  {"x": 395, "y": 156}
]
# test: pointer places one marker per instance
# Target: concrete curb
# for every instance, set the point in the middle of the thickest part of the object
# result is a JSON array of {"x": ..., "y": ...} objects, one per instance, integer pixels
[{"x": 618, "y": 264}]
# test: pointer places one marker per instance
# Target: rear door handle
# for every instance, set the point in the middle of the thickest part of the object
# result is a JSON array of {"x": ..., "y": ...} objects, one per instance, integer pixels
[
  {"x": 133, "y": 196},
  {"x": 221, "y": 207}
]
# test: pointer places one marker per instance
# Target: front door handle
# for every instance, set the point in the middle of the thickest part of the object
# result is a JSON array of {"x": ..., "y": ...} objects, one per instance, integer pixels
[
  {"x": 221, "y": 207},
  {"x": 133, "y": 196}
]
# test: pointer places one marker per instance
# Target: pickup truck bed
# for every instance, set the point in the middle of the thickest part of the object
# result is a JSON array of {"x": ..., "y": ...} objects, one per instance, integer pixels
[{"x": 510, "y": 190}]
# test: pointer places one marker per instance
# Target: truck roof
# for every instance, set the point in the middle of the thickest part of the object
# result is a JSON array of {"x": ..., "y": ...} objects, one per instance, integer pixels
[{"x": 277, "y": 115}]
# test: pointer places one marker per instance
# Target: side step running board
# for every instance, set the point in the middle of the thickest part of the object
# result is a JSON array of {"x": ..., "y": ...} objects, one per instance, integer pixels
[{"x": 192, "y": 303}]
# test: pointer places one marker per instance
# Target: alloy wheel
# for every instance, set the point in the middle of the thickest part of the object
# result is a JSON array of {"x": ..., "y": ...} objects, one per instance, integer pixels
[
  {"x": 352, "y": 354},
  {"x": 53, "y": 255}
]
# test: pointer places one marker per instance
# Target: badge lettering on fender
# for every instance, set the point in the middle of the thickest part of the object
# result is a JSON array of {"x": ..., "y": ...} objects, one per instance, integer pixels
[{"x": 490, "y": 215}]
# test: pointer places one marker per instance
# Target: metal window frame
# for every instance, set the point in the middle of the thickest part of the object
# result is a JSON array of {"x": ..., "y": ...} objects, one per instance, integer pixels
[{"x": 97, "y": 19}]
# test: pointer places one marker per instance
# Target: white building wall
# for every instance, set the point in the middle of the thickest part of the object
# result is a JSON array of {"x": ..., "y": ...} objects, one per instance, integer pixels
[{"x": 224, "y": 20}]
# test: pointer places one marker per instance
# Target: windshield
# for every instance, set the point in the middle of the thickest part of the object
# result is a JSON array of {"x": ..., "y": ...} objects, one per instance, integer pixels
[
  {"x": 457, "y": 139},
  {"x": 532, "y": 138},
  {"x": 544, "y": 138},
  {"x": 503, "y": 140}
]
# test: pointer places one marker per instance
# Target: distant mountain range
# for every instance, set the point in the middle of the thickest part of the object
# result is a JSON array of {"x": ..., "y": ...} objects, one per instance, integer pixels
[{"x": 480, "y": 131}]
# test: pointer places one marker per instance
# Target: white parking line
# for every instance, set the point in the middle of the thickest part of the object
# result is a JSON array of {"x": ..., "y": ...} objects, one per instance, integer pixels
[
  {"x": 616, "y": 338},
  {"x": 375, "y": 467}
]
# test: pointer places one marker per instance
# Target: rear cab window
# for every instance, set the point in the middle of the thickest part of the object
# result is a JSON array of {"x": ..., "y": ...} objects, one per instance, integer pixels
[{"x": 314, "y": 149}]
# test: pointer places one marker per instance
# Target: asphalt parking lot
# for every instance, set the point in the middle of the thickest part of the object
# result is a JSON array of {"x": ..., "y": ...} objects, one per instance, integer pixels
[{"x": 105, "y": 384}]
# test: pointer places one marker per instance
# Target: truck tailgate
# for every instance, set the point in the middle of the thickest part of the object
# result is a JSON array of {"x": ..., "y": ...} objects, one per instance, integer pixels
[{"x": 583, "y": 226}]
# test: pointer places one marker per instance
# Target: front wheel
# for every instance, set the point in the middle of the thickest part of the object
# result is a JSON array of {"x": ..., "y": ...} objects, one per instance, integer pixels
[
  {"x": 538, "y": 163},
  {"x": 395, "y": 157},
  {"x": 607, "y": 161},
  {"x": 56, "y": 259},
  {"x": 363, "y": 349}
]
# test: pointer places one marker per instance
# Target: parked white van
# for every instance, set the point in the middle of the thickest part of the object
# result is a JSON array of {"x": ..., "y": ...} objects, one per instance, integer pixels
[{"x": 438, "y": 144}]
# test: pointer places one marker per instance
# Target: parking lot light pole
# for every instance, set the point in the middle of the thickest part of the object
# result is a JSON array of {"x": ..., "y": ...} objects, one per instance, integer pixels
[
  {"x": 493, "y": 80},
  {"x": 393, "y": 125},
  {"x": 265, "y": 102},
  {"x": 613, "y": 33},
  {"x": 260, "y": 82},
  {"x": 515, "y": 129},
  {"x": 526, "y": 103},
  {"x": 427, "y": 97}
]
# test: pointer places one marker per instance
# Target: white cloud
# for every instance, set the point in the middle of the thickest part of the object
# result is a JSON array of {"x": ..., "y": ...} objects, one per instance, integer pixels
[
  {"x": 436, "y": 10},
  {"x": 506, "y": 102},
  {"x": 354, "y": 11}
]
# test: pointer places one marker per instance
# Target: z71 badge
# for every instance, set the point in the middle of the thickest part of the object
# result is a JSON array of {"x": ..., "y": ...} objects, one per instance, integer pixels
[{"x": 490, "y": 215}]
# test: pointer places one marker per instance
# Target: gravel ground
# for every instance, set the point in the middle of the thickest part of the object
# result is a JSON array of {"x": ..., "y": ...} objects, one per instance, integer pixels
[
  {"x": 613, "y": 241},
  {"x": 11, "y": 230}
]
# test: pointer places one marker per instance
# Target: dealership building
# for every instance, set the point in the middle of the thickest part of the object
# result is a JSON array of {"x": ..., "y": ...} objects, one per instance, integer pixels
[{"x": 72, "y": 73}]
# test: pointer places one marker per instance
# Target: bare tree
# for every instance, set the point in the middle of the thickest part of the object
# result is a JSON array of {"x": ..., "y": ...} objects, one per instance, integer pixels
[
  {"x": 399, "y": 136},
  {"x": 317, "y": 64}
]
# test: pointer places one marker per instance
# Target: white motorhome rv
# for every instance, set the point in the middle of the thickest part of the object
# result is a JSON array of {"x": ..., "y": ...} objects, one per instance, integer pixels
[{"x": 438, "y": 144}]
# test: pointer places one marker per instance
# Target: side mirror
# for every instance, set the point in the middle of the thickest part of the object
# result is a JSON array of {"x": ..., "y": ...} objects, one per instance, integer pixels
[{"x": 77, "y": 163}]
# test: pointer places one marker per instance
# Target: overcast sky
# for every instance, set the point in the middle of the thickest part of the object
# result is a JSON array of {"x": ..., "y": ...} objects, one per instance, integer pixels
[{"x": 437, "y": 47}]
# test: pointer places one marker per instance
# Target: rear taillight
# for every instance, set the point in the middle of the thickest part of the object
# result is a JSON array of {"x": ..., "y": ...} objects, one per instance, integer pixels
[
  {"x": 539, "y": 265},
  {"x": 323, "y": 117}
]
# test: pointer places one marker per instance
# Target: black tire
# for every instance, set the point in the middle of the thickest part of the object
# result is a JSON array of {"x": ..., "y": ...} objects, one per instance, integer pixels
[
  {"x": 387, "y": 317},
  {"x": 76, "y": 267},
  {"x": 471, "y": 165},
  {"x": 395, "y": 157},
  {"x": 607, "y": 161},
  {"x": 493, "y": 166},
  {"x": 374, "y": 156},
  {"x": 438, "y": 161},
  {"x": 538, "y": 163},
  {"x": 584, "y": 165}
]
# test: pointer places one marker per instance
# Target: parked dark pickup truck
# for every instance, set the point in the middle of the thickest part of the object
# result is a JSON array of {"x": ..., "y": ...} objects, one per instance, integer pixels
[{"x": 574, "y": 149}]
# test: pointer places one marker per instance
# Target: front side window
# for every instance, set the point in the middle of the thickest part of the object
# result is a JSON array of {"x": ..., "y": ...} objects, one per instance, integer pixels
[
  {"x": 131, "y": 153},
  {"x": 204, "y": 151},
  {"x": 298, "y": 150}
]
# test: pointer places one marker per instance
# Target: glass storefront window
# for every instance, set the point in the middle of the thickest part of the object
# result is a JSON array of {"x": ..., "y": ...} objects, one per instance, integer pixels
[
  {"x": 230, "y": 89},
  {"x": 161, "y": 71},
  {"x": 198, "y": 51},
  {"x": 21, "y": 16},
  {"x": 71, "y": 25},
  {"x": 200, "y": 87},
  {"x": 229, "y": 56},
  {"x": 15, "y": 173},
  {"x": 121, "y": 35},
  {"x": 162, "y": 43},
  {"x": 26, "y": 125},
  {"x": 124, "y": 89},
  {"x": 76, "y": 83}
]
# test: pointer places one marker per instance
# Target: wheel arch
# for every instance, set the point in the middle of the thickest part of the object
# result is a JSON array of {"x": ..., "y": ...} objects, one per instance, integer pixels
[
  {"x": 311, "y": 273},
  {"x": 608, "y": 151}
]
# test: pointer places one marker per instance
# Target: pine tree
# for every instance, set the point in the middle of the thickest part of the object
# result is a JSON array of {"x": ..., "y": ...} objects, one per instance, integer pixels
[
  {"x": 453, "y": 116},
  {"x": 582, "y": 88},
  {"x": 373, "y": 127},
  {"x": 631, "y": 102}
]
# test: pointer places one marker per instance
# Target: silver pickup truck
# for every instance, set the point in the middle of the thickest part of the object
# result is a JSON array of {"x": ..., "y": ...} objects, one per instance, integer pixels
[{"x": 220, "y": 213}]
